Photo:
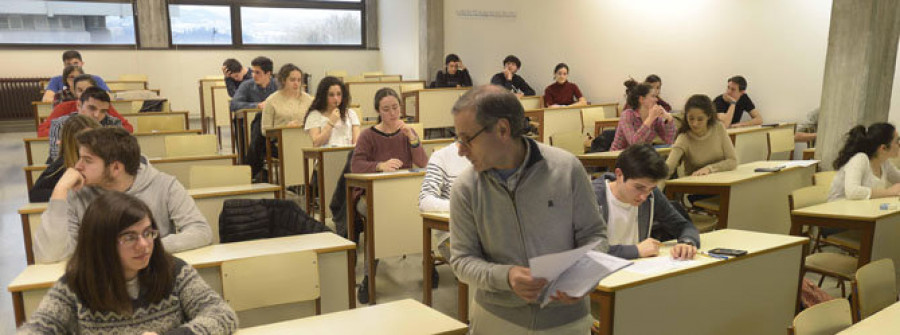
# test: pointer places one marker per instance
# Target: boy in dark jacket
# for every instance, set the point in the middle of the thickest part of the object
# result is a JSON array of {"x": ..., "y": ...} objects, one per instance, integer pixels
[{"x": 630, "y": 201}]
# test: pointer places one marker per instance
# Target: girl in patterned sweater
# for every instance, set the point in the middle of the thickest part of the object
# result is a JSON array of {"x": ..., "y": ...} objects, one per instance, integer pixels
[{"x": 120, "y": 280}]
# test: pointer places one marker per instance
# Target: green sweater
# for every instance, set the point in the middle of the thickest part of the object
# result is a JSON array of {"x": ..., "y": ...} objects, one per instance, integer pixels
[{"x": 191, "y": 308}]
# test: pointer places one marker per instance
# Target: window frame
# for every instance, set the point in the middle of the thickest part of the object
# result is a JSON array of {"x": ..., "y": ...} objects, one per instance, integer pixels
[
  {"x": 237, "y": 29},
  {"x": 135, "y": 46}
]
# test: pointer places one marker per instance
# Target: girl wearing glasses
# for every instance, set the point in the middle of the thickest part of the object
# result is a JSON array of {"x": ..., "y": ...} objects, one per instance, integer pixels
[
  {"x": 864, "y": 169},
  {"x": 120, "y": 280}
]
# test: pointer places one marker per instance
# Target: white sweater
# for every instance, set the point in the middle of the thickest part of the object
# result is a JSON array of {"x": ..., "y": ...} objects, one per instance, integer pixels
[{"x": 855, "y": 180}]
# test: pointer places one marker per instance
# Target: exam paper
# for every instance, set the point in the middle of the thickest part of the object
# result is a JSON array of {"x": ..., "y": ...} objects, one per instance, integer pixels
[
  {"x": 802, "y": 163},
  {"x": 574, "y": 272},
  {"x": 660, "y": 264}
]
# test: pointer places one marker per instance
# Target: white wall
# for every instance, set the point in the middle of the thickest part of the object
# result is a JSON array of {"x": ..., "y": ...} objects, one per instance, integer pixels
[
  {"x": 176, "y": 72},
  {"x": 694, "y": 45},
  {"x": 895, "y": 95},
  {"x": 398, "y": 24}
]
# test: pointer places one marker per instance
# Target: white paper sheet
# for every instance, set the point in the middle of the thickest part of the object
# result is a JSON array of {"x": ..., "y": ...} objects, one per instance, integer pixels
[
  {"x": 574, "y": 272},
  {"x": 660, "y": 264},
  {"x": 802, "y": 163}
]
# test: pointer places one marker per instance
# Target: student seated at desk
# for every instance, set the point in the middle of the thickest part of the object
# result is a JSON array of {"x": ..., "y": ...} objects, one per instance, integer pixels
[
  {"x": 120, "y": 280},
  {"x": 70, "y": 57},
  {"x": 703, "y": 144},
  {"x": 67, "y": 93},
  {"x": 510, "y": 80},
  {"x": 656, "y": 83},
  {"x": 635, "y": 209},
  {"x": 328, "y": 120},
  {"x": 94, "y": 103},
  {"x": 80, "y": 84},
  {"x": 732, "y": 104},
  {"x": 68, "y": 147},
  {"x": 562, "y": 92},
  {"x": 235, "y": 74},
  {"x": 454, "y": 74},
  {"x": 286, "y": 106},
  {"x": 864, "y": 169},
  {"x": 646, "y": 123},
  {"x": 110, "y": 160},
  {"x": 806, "y": 130},
  {"x": 390, "y": 145},
  {"x": 443, "y": 168}
]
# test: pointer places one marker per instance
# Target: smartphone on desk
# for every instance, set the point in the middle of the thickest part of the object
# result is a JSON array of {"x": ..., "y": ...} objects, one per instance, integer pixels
[
  {"x": 728, "y": 252},
  {"x": 769, "y": 169}
]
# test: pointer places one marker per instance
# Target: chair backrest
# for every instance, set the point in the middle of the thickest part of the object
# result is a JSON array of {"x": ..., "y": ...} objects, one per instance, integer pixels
[
  {"x": 336, "y": 73},
  {"x": 218, "y": 176},
  {"x": 828, "y": 317},
  {"x": 420, "y": 130},
  {"x": 824, "y": 178},
  {"x": 572, "y": 142},
  {"x": 159, "y": 122},
  {"x": 270, "y": 280},
  {"x": 874, "y": 288},
  {"x": 412, "y": 86},
  {"x": 372, "y": 73},
  {"x": 781, "y": 144},
  {"x": 390, "y": 77},
  {"x": 808, "y": 196},
  {"x": 532, "y": 102},
  {"x": 133, "y": 77},
  {"x": 191, "y": 145},
  {"x": 591, "y": 114}
]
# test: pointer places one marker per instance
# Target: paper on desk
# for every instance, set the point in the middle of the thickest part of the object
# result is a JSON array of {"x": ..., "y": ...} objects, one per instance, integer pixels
[
  {"x": 660, "y": 264},
  {"x": 574, "y": 272},
  {"x": 801, "y": 163}
]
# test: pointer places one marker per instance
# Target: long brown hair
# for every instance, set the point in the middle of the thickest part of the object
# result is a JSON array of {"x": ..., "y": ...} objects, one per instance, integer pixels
[
  {"x": 68, "y": 146},
  {"x": 320, "y": 103},
  {"x": 701, "y": 102},
  {"x": 95, "y": 271}
]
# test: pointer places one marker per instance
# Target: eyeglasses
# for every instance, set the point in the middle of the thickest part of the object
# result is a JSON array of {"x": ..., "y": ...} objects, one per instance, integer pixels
[
  {"x": 131, "y": 238},
  {"x": 467, "y": 141}
]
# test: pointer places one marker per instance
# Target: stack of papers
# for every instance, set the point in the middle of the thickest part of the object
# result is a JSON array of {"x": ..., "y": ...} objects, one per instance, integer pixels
[
  {"x": 660, "y": 264},
  {"x": 575, "y": 272}
]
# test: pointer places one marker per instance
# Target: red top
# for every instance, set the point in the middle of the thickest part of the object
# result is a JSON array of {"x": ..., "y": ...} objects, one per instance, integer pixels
[
  {"x": 561, "y": 94},
  {"x": 70, "y": 107}
]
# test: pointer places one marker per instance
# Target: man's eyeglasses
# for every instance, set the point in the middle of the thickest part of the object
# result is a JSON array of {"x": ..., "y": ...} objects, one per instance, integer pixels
[
  {"x": 131, "y": 238},
  {"x": 467, "y": 141}
]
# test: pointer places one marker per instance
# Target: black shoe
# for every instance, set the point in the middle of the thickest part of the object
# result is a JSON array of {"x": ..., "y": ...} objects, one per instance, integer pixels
[
  {"x": 435, "y": 278},
  {"x": 363, "y": 292}
]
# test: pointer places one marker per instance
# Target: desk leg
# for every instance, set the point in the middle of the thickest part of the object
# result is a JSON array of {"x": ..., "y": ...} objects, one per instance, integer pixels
[
  {"x": 605, "y": 302},
  {"x": 19, "y": 307},
  {"x": 370, "y": 241},
  {"x": 26, "y": 234},
  {"x": 351, "y": 277},
  {"x": 306, "y": 186},
  {"x": 724, "y": 200},
  {"x": 427, "y": 262},
  {"x": 865, "y": 245},
  {"x": 462, "y": 301},
  {"x": 320, "y": 171}
]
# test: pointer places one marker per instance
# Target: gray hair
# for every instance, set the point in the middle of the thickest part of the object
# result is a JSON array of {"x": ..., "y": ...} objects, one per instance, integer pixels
[{"x": 492, "y": 103}]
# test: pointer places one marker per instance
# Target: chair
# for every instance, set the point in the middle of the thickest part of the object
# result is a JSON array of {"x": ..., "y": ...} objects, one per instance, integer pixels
[
  {"x": 781, "y": 144},
  {"x": 191, "y": 145},
  {"x": 824, "y": 178},
  {"x": 591, "y": 114},
  {"x": 420, "y": 130},
  {"x": 409, "y": 87},
  {"x": 848, "y": 240},
  {"x": 827, "y": 264},
  {"x": 148, "y": 123},
  {"x": 570, "y": 141},
  {"x": 270, "y": 280},
  {"x": 874, "y": 288},
  {"x": 827, "y": 318},
  {"x": 202, "y": 176}
]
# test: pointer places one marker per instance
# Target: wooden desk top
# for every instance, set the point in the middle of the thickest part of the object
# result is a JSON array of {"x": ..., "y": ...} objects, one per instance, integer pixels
[
  {"x": 328, "y": 149},
  {"x": 439, "y": 140},
  {"x": 404, "y": 317},
  {"x": 153, "y": 133},
  {"x": 384, "y": 175},
  {"x": 753, "y": 129},
  {"x": 887, "y": 321},
  {"x": 865, "y": 210},
  {"x": 439, "y": 216},
  {"x": 742, "y": 173},
  {"x": 615, "y": 154},
  {"x": 44, "y": 275},
  {"x": 755, "y": 243}
]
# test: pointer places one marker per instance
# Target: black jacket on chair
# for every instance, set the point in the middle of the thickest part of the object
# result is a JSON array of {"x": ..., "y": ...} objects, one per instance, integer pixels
[{"x": 251, "y": 219}]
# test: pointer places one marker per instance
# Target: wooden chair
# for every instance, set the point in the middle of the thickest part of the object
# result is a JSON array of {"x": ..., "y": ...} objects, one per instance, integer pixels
[
  {"x": 133, "y": 77},
  {"x": 829, "y": 317},
  {"x": 191, "y": 145},
  {"x": 591, "y": 114},
  {"x": 270, "y": 280},
  {"x": 573, "y": 142},
  {"x": 824, "y": 178},
  {"x": 411, "y": 86},
  {"x": 874, "y": 288},
  {"x": 202, "y": 176},
  {"x": 160, "y": 123},
  {"x": 830, "y": 264},
  {"x": 781, "y": 144},
  {"x": 848, "y": 240}
]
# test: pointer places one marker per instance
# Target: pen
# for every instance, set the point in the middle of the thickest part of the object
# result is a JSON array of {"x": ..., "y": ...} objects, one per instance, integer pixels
[{"x": 714, "y": 255}]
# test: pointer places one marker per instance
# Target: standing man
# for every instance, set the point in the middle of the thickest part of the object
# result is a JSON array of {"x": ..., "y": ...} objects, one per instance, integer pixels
[
  {"x": 510, "y": 80},
  {"x": 235, "y": 74},
  {"x": 521, "y": 199},
  {"x": 56, "y": 83},
  {"x": 734, "y": 103}
]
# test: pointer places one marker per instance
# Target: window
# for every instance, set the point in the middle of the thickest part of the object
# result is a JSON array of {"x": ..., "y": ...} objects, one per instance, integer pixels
[
  {"x": 199, "y": 25},
  {"x": 66, "y": 22},
  {"x": 300, "y": 26}
]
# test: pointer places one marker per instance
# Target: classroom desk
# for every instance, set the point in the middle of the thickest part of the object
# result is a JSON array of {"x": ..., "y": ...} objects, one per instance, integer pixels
[
  {"x": 209, "y": 201},
  {"x": 240, "y": 132},
  {"x": 809, "y": 153},
  {"x": 329, "y": 166},
  {"x": 710, "y": 296},
  {"x": 886, "y": 321},
  {"x": 431, "y": 107},
  {"x": 178, "y": 167},
  {"x": 127, "y": 85},
  {"x": 439, "y": 221},
  {"x": 207, "y": 106},
  {"x": 362, "y": 93},
  {"x": 393, "y": 213},
  {"x": 607, "y": 159},
  {"x": 752, "y": 143},
  {"x": 599, "y": 125},
  {"x": 749, "y": 200},
  {"x": 336, "y": 271},
  {"x": 152, "y": 144},
  {"x": 404, "y": 317},
  {"x": 556, "y": 120},
  {"x": 287, "y": 166},
  {"x": 879, "y": 228}
]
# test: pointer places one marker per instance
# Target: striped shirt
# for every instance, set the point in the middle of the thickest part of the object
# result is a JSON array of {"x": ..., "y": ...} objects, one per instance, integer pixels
[{"x": 443, "y": 167}]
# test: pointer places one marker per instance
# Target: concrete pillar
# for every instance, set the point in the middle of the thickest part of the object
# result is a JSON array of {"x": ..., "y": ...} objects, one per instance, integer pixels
[
  {"x": 859, "y": 70},
  {"x": 153, "y": 24},
  {"x": 431, "y": 38}
]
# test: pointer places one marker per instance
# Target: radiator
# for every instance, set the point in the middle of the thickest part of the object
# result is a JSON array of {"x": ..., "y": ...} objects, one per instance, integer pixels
[{"x": 16, "y": 95}]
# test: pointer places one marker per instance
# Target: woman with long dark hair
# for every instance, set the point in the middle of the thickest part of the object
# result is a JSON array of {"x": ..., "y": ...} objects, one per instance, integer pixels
[
  {"x": 702, "y": 145},
  {"x": 864, "y": 169},
  {"x": 120, "y": 280},
  {"x": 644, "y": 120},
  {"x": 329, "y": 121}
]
